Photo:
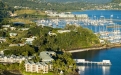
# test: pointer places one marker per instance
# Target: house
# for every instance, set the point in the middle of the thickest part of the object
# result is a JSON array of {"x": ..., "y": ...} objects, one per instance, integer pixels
[
  {"x": 51, "y": 34},
  {"x": 46, "y": 56},
  {"x": 39, "y": 67},
  {"x": 63, "y": 31},
  {"x": 12, "y": 59},
  {"x": 23, "y": 29},
  {"x": 2, "y": 39},
  {"x": 20, "y": 44},
  {"x": 82, "y": 16},
  {"x": 102, "y": 41},
  {"x": 29, "y": 41},
  {"x": 11, "y": 45},
  {"x": 13, "y": 34},
  {"x": 5, "y": 26},
  {"x": 12, "y": 28}
]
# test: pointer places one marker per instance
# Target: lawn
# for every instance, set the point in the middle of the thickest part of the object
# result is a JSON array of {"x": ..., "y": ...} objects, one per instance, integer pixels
[
  {"x": 28, "y": 73},
  {"x": 26, "y": 21}
]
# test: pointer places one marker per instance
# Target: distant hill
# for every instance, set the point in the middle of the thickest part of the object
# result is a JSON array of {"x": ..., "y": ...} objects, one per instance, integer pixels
[
  {"x": 70, "y": 1},
  {"x": 116, "y": 1}
]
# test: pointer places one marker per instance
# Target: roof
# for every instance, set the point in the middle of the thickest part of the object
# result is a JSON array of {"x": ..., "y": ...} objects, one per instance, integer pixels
[{"x": 45, "y": 55}]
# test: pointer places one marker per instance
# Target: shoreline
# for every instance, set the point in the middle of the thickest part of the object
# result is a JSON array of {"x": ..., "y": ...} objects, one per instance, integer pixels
[{"x": 97, "y": 48}]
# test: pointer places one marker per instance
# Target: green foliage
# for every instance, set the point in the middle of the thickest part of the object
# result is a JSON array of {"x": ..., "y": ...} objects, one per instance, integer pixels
[
  {"x": 36, "y": 58},
  {"x": 4, "y": 45},
  {"x": 78, "y": 38},
  {"x": 49, "y": 5},
  {"x": 64, "y": 63},
  {"x": 22, "y": 66},
  {"x": 4, "y": 8},
  {"x": 14, "y": 66},
  {"x": 17, "y": 50}
]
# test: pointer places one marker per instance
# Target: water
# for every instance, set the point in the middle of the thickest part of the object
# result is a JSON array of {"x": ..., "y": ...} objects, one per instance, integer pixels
[{"x": 113, "y": 54}]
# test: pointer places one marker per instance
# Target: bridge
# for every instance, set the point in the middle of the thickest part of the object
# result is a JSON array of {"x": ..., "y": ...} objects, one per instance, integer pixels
[{"x": 83, "y": 61}]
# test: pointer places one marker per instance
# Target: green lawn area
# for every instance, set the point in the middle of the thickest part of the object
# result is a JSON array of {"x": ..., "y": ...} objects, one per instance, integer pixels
[
  {"x": 26, "y": 21},
  {"x": 28, "y": 73}
]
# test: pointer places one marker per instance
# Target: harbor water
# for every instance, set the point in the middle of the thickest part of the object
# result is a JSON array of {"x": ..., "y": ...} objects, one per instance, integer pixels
[{"x": 113, "y": 54}]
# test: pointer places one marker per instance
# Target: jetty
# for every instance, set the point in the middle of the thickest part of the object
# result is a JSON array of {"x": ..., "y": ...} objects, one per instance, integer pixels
[{"x": 83, "y": 61}]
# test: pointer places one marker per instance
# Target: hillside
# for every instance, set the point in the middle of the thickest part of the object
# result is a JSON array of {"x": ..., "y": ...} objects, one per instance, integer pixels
[{"x": 3, "y": 11}]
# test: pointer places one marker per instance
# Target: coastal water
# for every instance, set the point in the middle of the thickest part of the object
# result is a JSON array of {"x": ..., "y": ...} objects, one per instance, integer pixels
[{"x": 113, "y": 54}]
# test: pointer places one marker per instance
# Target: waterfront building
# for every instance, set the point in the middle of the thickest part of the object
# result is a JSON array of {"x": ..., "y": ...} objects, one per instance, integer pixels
[{"x": 82, "y": 16}]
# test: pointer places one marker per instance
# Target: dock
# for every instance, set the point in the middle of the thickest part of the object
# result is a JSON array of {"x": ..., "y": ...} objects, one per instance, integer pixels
[{"x": 83, "y": 61}]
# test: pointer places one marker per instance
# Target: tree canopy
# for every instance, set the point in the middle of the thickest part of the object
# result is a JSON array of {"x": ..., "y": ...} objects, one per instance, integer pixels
[{"x": 3, "y": 10}]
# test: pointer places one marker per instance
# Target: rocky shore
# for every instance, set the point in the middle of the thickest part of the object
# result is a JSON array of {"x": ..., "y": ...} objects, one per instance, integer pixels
[{"x": 96, "y": 48}]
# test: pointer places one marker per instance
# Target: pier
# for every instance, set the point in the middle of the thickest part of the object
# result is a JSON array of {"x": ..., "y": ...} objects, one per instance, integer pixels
[{"x": 83, "y": 61}]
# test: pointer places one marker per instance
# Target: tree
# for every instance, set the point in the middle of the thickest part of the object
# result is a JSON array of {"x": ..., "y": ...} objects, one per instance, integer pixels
[
  {"x": 64, "y": 63},
  {"x": 22, "y": 66},
  {"x": 3, "y": 11}
]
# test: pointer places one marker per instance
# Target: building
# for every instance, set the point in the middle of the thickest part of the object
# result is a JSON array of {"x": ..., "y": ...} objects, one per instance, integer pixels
[
  {"x": 13, "y": 34},
  {"x": 20, "y": 44},
  {"x": 5, "y": 26},
  {"x": 52, "y": 34},
  {"x": 13, "y": 28},
  {"x": 82, "y": 16},
  {"x": 63, "y": 31},
  {"x": 2, "y": 39},
  {"x": 39, "y": 67},
  {"x": 46, "y": 56},
  {"x": 24, "y": 29},
  {"x": 29, "y": 41},
  {"x": 12, "y": 59}
]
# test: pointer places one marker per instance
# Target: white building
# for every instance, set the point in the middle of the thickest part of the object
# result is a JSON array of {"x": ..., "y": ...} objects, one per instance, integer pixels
[
  {"x": 82, "y": 16},
  {"x": 5, "y": 26},
  {"x": 12, "y": 59},
  {"x": 13, "y": 34},
  {"x": 2, "y": 39},
  {"x": 39, "y": 67},
  {"x": 63, "y": 31}
]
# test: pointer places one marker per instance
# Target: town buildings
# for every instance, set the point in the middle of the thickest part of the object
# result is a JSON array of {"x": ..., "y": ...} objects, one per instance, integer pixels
[
  {"x": 12, "y": 59},
  {"x": 43, "y": 66}
]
